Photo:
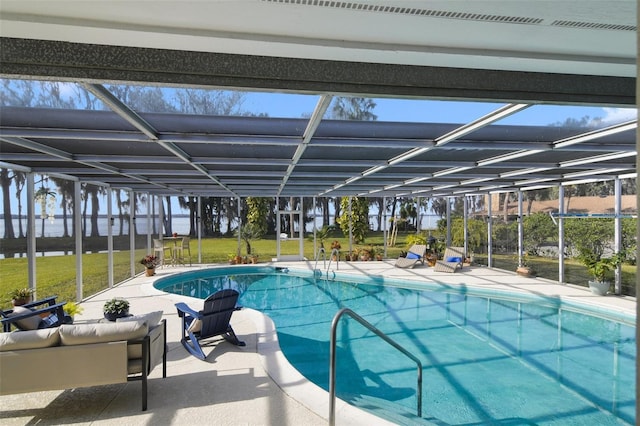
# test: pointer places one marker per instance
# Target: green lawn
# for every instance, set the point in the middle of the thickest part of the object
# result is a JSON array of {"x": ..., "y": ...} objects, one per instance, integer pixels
[{"x": 57, "y": 274}]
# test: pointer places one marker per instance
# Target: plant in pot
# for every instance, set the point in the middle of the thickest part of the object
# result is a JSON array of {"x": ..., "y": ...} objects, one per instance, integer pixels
[
  {"x": 71, "y": 309},
  {"x": 21, "y": 296},
  {"x": 600, "y": 269},
  {"x": 335, "y": 245},
  {"x": 115, "y": 308},
  {"x": 150, "y": 262},
  {"x": 524, "y": 268},
  {"x": 248, "y": 233},
  {"x": 322, "y": 234}
]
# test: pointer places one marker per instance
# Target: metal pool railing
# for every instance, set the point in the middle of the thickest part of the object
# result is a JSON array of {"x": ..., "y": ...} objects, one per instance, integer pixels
[{"x": 332, "y": 360}]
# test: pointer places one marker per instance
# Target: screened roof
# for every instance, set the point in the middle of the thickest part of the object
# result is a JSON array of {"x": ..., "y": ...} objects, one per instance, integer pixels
[{"x": 528, "y": 97}]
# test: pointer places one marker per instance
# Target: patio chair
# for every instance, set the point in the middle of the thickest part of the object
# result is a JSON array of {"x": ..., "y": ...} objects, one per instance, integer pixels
[
  {"x": 44, "y": 313},
  {"x": 159, "y": 250},
  {"x": 415, "y": 254},
  {"x": 183, "y": 247},
  {"x": 211, "y": 321},
  {"x": 451, "y": 261}
]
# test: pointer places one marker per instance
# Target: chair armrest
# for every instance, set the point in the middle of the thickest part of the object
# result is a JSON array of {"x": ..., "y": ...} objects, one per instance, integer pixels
[
  {"x": 184, "y": 309},
  {"x": 51, "y": 300},
  {"x": 53, "y": 309}
]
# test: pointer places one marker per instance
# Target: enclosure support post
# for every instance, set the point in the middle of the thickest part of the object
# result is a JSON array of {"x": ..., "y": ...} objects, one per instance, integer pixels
[
  {"x": 132, "y": 232},
  {"x": 199, "y": 225},
  {"x": 520, "y": 229},
  {"x": 617, "y": 223},
  {"x": 31, "y": 231},
  {"x": 278, "y": 228},
  {"x": 77, "y": 214},
  {"x": 240, "y": 225},
  {"x": 465, "y": 207},
  {"x": 561, "y": 234},
  {"x": 385, "y": 231},
  {"x": 149, "y": 223},
  {"x": 300, "y": 229},
  {"x": 489, "y": 233},
  {"x": 110, "y": 237},
  {"x": 448, "y": 222},
  {"x": 350, "y": 227}
]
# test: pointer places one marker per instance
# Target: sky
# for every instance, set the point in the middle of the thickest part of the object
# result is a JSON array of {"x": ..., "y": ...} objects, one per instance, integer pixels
[{"x": 408, "y": 110}]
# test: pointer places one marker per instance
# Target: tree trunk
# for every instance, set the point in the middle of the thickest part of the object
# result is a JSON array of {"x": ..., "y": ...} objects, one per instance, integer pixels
[
  {"x": 95, "y": 209},
  {"x": 6, "y": 203}
]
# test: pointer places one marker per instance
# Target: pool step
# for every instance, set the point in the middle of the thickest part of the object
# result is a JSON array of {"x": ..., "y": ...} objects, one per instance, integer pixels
[{"x": 396, "y": 413}]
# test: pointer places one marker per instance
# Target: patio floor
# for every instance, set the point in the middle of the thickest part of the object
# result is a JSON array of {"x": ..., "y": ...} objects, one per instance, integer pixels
[{"x": 251, "y": 385}]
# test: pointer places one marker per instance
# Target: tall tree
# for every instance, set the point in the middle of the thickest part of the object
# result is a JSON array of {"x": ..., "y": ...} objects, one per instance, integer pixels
[
  {"x": 356, "y": 218},
  {"x": 353, "y": 108},
  {"x": 65, "y": 190}
]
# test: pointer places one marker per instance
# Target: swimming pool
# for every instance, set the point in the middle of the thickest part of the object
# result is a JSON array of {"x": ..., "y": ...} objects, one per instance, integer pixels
[{"x": 487, "y": 357}]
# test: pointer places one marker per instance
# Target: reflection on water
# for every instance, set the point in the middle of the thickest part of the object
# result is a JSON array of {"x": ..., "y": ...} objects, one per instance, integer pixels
[{"x": 486, "y": 360}]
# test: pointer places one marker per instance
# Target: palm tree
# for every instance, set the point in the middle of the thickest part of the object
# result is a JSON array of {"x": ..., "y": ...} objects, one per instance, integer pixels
[{"x": 65, "y": 189}]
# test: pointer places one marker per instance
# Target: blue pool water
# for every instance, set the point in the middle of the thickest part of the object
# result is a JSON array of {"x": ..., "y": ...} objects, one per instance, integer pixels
[{"x": 488, "y": 357}]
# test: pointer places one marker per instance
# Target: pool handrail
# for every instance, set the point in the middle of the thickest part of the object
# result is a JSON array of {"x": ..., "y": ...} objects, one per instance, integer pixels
[
  {"x": 335, "y": 253},
  {"x": 332, "y": 360},
  {"x": 324, "y": 259}
]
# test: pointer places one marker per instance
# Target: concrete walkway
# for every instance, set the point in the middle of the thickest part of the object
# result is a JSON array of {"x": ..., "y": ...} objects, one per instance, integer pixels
[{"x": 252, "y": 385}]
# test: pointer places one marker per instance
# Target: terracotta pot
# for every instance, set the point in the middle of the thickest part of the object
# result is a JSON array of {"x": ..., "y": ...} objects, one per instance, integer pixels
[
  {"x": 20, "y": 302},
  {"x": 150, "y": 272},
  {"x": 524, "y": 271}
]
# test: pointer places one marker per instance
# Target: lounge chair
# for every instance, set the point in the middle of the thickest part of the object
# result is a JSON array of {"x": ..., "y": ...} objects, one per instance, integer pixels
[
  {"x": 44, "y": 313},
  {"x": 451, "y": 261},
  {"x": 415, "y": 254},
  {"x": 211, "y": 321}
]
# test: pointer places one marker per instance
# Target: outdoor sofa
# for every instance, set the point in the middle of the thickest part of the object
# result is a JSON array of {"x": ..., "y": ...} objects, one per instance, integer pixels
[{"x": 82, "y": 355}]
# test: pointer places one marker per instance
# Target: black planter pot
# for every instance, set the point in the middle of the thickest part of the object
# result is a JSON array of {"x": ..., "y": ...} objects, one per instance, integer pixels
[{"x": 114, "y": 316}]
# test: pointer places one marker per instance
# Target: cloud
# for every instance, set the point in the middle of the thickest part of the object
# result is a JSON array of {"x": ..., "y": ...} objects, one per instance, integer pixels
[{"x": 619, "y": 115}]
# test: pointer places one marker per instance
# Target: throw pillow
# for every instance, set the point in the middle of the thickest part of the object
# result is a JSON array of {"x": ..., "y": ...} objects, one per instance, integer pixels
[
  {"x": 30, "y": 339},
  {"x": 84, "y": 334},
  {"x": 152, "y": 318},
  {"x": 29, "y": 323},
  {"x": 454, "y": 259},
  {"x": 195, "y": 326},
  {"x": 412, "y": 256}
]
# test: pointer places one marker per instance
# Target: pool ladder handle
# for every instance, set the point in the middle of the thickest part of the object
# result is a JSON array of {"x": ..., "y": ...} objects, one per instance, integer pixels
[
  {"x": 322, "y": 252},
  {"x": 332, "y": 360}
]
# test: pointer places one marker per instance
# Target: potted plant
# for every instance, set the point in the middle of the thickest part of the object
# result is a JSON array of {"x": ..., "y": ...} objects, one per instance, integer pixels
[
  {"x": 248, "y": 233},
  {"x": 335, "y": 245},
  {"x": 322, "y": 234},
  {"x": 150, "y": 262},
  {"x": 71, "y": 309},
  {"x": 600, "y": 269},
  {"x": 21, "y": 296},
  {"x": 523, "y": 268},
  {"x": 232, "y": 258},
  {"x": 115, "y": 308}
]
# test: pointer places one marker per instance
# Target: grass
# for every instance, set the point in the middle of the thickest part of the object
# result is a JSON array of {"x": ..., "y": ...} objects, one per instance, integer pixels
[{"x": 56, "y": 275}]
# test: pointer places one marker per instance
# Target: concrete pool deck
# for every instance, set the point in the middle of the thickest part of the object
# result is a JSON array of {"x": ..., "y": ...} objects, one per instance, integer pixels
[{"x": 251, "y": 385}]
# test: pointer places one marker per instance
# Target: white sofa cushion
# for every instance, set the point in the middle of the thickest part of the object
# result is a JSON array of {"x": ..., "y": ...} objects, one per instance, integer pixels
[
  {"x": 31, "y": 339},
  {"x": 83, "y": 334},
  {"x": 29, "y": 323},
  {"x": 152, "y": 318}
]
